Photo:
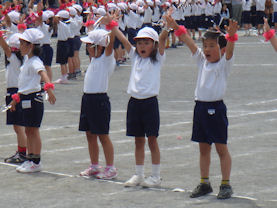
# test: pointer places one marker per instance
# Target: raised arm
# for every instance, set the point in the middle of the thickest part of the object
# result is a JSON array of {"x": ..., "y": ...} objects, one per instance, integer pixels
[
  {"x": 171, "y": 23},
  {"x": 5, "y": 46},
  {"x": 162, "y": 41},
  {"x": 270, "y": 35},
  {"x": 231, "y": 32}
]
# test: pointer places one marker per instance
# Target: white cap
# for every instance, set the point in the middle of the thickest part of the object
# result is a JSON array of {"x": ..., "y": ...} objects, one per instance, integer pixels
[
  {"x": 148, "y": 32},
  {"x": 133, "y": 6},
  {"x": 78, "y": 7},
  {"x": 140, "y": 10},
  {"x": 13, "y": 40},
  {"x": 112, "y": 6},
  {"x": 101, "y": 11},
  {"x": 47, "y": 14},
  {"x": 167, "y": 4},
  {"x": 121, "y": 5},
  {"x": 32, "y": 35},
  {"x": 140, "y": 3},
  {"x": 150, "y": 3},
  {"x": 72, "y": 11},
  {"x": 97, "y": 37},
  {"x": 14, "y": 16},
  {"x": 63, "y": 14},
  {"x": 158, "y": 2}
]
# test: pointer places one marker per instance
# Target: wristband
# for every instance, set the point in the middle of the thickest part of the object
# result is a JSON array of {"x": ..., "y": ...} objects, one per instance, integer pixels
[
  {"x": 181, "y": 30},
  {"x": 16, "y": 97},
  {"x": 111, "y": 25},
  {"x": 269, "y": 34},
  {"x": 48, "y": 86},
  {"x": 89, "y": 23},
  {"x": 233, "y": 38},
  {"x": 40, "y": 13},
  {"x": 1, "y": 33},
  {"x": 21, "y": 27}
]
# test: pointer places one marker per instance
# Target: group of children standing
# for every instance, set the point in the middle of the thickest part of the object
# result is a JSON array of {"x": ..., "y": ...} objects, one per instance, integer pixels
[{"x": 25, "y": 71}]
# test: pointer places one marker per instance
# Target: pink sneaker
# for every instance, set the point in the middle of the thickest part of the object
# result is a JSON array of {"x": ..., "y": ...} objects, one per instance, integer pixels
[
  {"x": 109, "y": 173},
  {"x": 91, "y": 171}
]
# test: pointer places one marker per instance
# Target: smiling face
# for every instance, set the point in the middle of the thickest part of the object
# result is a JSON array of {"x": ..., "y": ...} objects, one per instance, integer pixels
[
  {"x": 144, "y": 47},
  {"x": 25, "y": 47},
  {"x": 211, "y": 50}
]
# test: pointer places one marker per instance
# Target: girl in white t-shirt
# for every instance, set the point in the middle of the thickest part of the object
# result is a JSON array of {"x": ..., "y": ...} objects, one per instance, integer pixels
[
  {"x": 96, "y": 108},
  {"x": 30, "y": 98},
  {"x": 147, "y": 58},
  {"x": 13, "y": 61}
]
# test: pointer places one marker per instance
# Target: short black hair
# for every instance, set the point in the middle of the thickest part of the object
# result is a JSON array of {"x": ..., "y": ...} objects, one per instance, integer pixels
[
  {"x": 153, "y": 54},
  {"x": 218, "y": 35}
]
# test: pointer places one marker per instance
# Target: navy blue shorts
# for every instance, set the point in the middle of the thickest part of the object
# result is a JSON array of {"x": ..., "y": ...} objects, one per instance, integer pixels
[
  {"x": 95, "y": 113},
  {"x": 77, "y": 43},
  {"x": 209, "y": 21},
  {"x": 143, "y": 117},
  {"x": 62, "y": 52},
  {"x": 32, "y": 109},
  {"x": 210, "y": 122},
  {"x": 131, "y": 34},
  {"x": 274, "y": 17},
  {"x": 15, "y": 117},
  {"x": 246, "y": 17},
  {"x": 71, "y": 47},
  {"x": 46, "y": 54},
  {"x": 260, "y": 17}
]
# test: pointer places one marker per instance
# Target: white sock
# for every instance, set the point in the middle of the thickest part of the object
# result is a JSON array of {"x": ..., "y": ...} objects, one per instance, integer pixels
[
  {"x": 140, "y": 170},
  {"x": 156, "y": 170},
  {"x": 64, "y": 76}
]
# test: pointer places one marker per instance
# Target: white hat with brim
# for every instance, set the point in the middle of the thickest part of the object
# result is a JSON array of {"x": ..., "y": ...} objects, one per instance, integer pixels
[
  {"x": 147, "y": 32},
  {"x": 32, "y": 35},
  {"x": 97, "y": 37},
  {"x": 14, "y": 16},
  {"x": 63, "y": 14},
  {"x": 13, "y": 40},
  {"x": 78, "y": 7}
]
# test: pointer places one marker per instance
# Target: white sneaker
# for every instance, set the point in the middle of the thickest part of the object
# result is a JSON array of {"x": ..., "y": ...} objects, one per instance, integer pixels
[
  {"x": 151, "y": 182},
  {"x": 61, "y": 81},
  {"x": 135, "y": 180},
  {"x": 23, "y": 165},
  {"x": 31, "y": 167}
]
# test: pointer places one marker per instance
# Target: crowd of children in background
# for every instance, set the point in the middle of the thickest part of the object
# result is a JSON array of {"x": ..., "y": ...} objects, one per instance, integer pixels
[{"x": 141, "y": 29}]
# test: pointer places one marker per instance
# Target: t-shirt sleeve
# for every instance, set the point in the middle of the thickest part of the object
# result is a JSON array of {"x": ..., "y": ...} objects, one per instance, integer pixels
[
  {"x": 199, "y": 57},
  {"x": 38, "y": 66}
]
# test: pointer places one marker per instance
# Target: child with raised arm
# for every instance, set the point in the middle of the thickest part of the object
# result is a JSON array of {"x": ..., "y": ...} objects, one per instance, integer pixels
[
  {"x": 210, "y": 121},
  {"x": 30, "y": 98},
  {"x": 96, "y": 108},
  {"x": 269, "y": 34},
  {"x": 13, "y": 62},
  {"x": 143, "y": 119}
]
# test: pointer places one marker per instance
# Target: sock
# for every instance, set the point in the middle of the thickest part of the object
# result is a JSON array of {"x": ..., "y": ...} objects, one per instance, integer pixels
[
  {"x": 205, "y": 180},
  {"x": 109, "y": 166},
  {"x": 140, "y": 170},
  {"x": 29, "y": 156},
  {"x": 225, "y": 182},
  {"x": 64, "y": 76},
  {"x": 156, "y": 170},
  {"x": 22, "y": 150},
  {"x": 94, "y": 165},
  {"x": 35, "y": 159}
]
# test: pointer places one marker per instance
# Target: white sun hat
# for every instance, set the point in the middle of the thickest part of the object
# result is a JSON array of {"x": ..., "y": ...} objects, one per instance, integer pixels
[
  {"x": 97, "y": 37},
  {"x": 148, "y": 32},
  {"x": 101, "y": 11},
  {"x": 78, "y": 7},
  {"x": 63, "y": 14},
  {"x": 14, "y": 16},
  {"x": 72, "y": 11},
  {"x": 32, "y": 35},
  {"x": 47, "y": 14},
  {"x": 13, "y": 40}
]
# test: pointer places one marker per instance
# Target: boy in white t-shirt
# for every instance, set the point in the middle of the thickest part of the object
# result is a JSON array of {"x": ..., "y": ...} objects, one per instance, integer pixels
[{"x": 210, "y": 121}]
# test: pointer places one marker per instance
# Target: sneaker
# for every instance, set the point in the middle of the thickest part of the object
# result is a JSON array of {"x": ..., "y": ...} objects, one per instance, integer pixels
[
  {"x": 61, "y": 81},
  {"x": 91, "y": 171},
  {"x": 201, "y": 190},
  {"x": 225, "y": 192},
  {"x": 78, "y": 73},
  {"x": 71, "y": 76},
  {"x": 135, "y": 180},
  {"x": 151, "y": 182},
  {"x": 26, "y": 163},
  {"x": 30, "y": 167},
  {"x": 17, "y": 158},
  {"x": 109, "y": 173}
]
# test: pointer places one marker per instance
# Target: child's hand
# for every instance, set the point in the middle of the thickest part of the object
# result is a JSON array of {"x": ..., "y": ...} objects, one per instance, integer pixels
[
  {"x": 12, "y": 104},
  {"x": 51, "y": 98},
  {"x": 170, "y": 22},
  {"x": 232, "y": 28},
  {"x": 266, "y": 25}
]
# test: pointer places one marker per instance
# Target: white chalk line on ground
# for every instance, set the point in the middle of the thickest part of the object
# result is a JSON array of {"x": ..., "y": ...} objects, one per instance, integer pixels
[{"x": 122, "y": 183}]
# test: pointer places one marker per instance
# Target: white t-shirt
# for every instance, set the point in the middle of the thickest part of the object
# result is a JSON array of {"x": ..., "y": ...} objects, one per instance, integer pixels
[
  {"x": 145, "y": 75},
  {"x": 212, "y": 77},
  {"x": 147, "y": 15},
  {"x": 98, "y": 74},
  {"x": 246, "y": 5},
  {"x": 13, "y": 71},
  {"x": 260, "y": 5},
  {"x": 63, "y": 31},
  {"x": 47, "y": 35},
  {"x": 29, "y": 79}
]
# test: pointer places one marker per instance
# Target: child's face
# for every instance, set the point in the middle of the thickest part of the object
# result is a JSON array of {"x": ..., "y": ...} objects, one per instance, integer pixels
[
  {"x": 144, "y": 47},
  {"x": 211, "y": 50},
  {"x": 24, "y": 47}
]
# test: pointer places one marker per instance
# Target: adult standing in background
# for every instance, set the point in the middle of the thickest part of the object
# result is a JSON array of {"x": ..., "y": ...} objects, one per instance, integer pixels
[{"x": 237, "y": 10}]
